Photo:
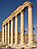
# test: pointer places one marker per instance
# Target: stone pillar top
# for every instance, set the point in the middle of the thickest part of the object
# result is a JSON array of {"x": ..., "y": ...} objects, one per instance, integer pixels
[{"x": 22, "y": 11}]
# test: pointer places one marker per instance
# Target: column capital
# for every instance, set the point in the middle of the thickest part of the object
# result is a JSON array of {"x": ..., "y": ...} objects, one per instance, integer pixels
[
  {"x": 3, "y": 25},
  {"x": 16, "y": 15},
  {"x": 22, "y": 11},
  {"x": 11, "y": 19},
  {"x": 30, "y": 5},
  {"x": 8, "y": 22}
]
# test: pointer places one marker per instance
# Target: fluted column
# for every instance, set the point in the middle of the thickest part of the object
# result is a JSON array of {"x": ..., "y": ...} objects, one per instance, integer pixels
[
  {"x": 8, "y": 31},
  {"x": 16, "y": 29},
  {"x": 22, "y": 27},
  {"x": 30, "y": 25},
  {"x": 12, "y": 26},
  {"x": 3, "y": 34}
]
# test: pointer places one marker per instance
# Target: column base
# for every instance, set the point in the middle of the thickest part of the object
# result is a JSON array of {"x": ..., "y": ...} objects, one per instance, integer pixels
[{"x": 7, "y": 46}]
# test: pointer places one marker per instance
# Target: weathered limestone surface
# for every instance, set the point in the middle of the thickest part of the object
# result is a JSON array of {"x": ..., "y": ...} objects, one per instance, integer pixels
[
  {"x": 8, "y": 31},
  {"x": 3, "y": 34},
  {"x": 16, "y": 29},
  {"x": 22, "y": 27},
  {"x": 12, "y": 24},
  {"x": 30, "y": 25}
]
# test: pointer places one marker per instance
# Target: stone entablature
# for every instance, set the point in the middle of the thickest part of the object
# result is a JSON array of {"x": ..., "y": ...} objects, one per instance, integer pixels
[{"x": 17, "y": 11}]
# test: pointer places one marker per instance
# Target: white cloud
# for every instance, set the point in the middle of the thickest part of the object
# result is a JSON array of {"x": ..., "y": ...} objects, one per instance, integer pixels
[{"x": 36, "y": 25}]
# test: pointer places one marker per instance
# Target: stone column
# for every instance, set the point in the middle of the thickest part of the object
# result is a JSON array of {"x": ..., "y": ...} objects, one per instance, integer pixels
[
  {"x": 12, "y": 26},
  {"x": 6, "y": 34},
  {"x": 30, "y": 25},
  {"x": 8, "y": 31},
  {"x": 22, "y": 27},
  {"x": 6, "y": 38},
  {"x": 16, "y": 29},
  {"x": 3, "y": 34}
]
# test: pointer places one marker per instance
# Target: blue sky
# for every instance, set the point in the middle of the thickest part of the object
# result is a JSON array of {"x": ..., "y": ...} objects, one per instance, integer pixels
[{"x": 8, "y": 6}]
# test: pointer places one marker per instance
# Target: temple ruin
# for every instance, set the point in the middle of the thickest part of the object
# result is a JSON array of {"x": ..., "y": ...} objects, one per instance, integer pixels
[{"x": 8, "y": 25}]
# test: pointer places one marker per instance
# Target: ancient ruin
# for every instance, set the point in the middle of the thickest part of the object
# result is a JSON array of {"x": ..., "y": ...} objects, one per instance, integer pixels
[{"x": 8, "y": 24}]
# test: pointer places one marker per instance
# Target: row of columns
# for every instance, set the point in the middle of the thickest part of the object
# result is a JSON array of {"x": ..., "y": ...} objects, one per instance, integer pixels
[{"x": 30, "y": 28}]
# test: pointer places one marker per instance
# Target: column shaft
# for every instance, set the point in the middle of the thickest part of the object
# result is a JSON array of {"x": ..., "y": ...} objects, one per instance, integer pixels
[
  {"x": 12, "y": 26},
  {"x": 22, "y": 27},
  {"x": 8, "y": 31},
  {"x": 16, "y": 29},
  {"x": 30, "y": 25},
  {"x": 3, "y": 34}
]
